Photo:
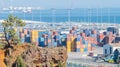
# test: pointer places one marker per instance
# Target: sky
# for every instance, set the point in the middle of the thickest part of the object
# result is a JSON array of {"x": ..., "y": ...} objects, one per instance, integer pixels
[{"x": 61, "y": 4}]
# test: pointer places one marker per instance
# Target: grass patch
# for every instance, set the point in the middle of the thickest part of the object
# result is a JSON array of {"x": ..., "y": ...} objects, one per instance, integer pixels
[{"x": 1, "y": 46}]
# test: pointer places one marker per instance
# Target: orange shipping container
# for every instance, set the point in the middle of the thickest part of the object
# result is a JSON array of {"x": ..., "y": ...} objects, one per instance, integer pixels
[
  {"x": 89, "y": 48},
  {"x": 101, "y": 36},
  {"x": 49, "y": 40}
]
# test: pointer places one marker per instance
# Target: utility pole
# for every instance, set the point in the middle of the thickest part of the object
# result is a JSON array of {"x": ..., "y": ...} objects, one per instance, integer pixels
[
  {"x": 69, "y": 17},
  {"x": 53, "y": 17},
  {"x": 40, "y": 16}
]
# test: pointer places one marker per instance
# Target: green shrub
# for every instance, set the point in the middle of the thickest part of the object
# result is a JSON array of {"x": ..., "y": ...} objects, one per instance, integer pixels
[
  {"x": 40, "y": 65},
  {"x": 51, "y": 64},
  {"x": 1, "y": 46},
  {"x": 20, "y": 62}
]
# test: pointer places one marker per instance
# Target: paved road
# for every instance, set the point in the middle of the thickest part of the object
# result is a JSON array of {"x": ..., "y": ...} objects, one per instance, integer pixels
[{"x": 77, "y": 58}]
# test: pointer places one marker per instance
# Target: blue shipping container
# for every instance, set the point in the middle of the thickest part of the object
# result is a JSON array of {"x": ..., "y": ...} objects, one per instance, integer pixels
[
  {"x": 85, "y": 49},
  {"x": 42, "y": 44},
  {"x": 41, "y": 39},
  {"x": 77, "y": 49},
  {"x": 55, "y": 44},
  {"x": 78, "y": 39}
]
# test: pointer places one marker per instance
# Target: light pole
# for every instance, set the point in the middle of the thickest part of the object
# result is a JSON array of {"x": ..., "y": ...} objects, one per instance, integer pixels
[
  {"x": 53, "y": 17},
  {"x": 69, "y": 17}
]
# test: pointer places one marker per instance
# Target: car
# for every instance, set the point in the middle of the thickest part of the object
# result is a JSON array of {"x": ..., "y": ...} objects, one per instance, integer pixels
[{"x": 109, "y": 59}]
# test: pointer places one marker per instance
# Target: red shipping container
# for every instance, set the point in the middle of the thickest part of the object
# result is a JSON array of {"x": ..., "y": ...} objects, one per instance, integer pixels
[
  {"x": 25, "y": 31},
  {"x": 44, "y": 35},
  {"x": 75, "y": 36},
  {"x": 81, "y": 46},
  {"x": 55, "y": 33},
  {"x": 94, "y": 32},
  {"x": 74, "y": 28},
  {"x": 69, "y": 35},
  {"x": 68, "y": 39},
  {"x": 110, "y": 33},
  {"x": 82, "y": 34},
  {"x": 71, "y": 31}
]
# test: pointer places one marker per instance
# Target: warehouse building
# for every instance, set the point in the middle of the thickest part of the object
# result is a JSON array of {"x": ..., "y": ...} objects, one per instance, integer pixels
[{"x": 110, "y": 48}]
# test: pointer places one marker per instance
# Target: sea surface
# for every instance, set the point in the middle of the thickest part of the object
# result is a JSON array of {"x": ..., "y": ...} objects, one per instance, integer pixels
[{"x": 96, "y": 15}]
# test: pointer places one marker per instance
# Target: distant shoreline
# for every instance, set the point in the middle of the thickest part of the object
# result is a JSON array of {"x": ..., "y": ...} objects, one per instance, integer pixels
[{"x": 30, "y": 21}]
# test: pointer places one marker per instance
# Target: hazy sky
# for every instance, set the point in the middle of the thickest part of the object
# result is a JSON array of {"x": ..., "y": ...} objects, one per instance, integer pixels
[{"x": 46, "y": 4}]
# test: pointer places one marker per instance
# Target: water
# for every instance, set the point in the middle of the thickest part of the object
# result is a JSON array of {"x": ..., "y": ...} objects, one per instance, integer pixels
[{"x": 61, "y": 15}]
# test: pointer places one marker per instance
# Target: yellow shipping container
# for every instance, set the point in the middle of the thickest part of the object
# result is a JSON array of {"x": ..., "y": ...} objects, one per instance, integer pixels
[
  {"x": 69, "y": 47},
  {"x": 78, "y": 43},
  {"x": 89, "y": 45},
  {"x": 84, "y": 46},
  {"x": 72, "y": 38},
  {"x": 68, "y": 50},
  {"x": 81, "y": 50},
  {"x": 34, "y": 33},
  {"x": 20, "y": 29},
  {"x": 68, "y": 43},
  {"x": 33, "y": 40}
]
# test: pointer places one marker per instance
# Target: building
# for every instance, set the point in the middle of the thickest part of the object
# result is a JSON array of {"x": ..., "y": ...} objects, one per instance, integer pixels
[
  {"x": 110, "y": 48},
  {"x": 114, "y": 30}
]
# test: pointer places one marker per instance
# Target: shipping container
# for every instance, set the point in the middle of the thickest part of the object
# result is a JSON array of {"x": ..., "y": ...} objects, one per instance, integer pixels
[
  {"x": 87, "y": 32},
  {"x": 78, "y": 39},
  {"x": 42, "y": 44},
  {"x": 22, "y": 35},
  {"x": 27, "y": 38},
  {"x": 68, "y": 50},
  {"x": 55, "y": 44},
  {"x": 22, "y": 40},
  {"x": 85, "y": 49},
  {"x": 77, "y": 49},
  {"x": 71, "y": 31},
  {"x": 81, "y": 49},
  {"x": 93, "y": 32},
  {"x": 25, "y": 31},
  {"x": 82, "y": 34}
]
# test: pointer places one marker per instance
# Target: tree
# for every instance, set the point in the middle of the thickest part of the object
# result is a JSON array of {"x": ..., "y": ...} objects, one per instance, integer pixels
[{"x": 9, "y": 26}]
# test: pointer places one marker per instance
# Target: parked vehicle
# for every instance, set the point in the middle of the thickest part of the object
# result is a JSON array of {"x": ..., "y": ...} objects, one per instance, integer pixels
[
  {"x": 118, "y": 60},
  {"x": 109, "y": 59}
]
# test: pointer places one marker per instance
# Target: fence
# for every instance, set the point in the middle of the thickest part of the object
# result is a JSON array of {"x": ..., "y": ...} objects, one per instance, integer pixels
[{"x": 72, "y": 63}]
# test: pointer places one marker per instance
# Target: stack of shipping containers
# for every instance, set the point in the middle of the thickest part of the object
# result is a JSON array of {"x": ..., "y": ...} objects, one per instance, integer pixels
[{"x": 74, "y": 41}]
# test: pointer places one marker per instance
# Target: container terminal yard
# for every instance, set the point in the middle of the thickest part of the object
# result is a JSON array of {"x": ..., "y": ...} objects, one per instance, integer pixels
[
  {"x": 85, "y": 42},
  {"x": 59, "y": 33}
]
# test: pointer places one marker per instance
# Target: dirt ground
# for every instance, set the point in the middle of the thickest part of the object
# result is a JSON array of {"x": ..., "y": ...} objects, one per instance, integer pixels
[{"x": 2, "y": 64}]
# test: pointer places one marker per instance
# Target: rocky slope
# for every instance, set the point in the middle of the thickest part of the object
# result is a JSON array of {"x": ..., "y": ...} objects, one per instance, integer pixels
[{"x": 39, "y": 57}]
